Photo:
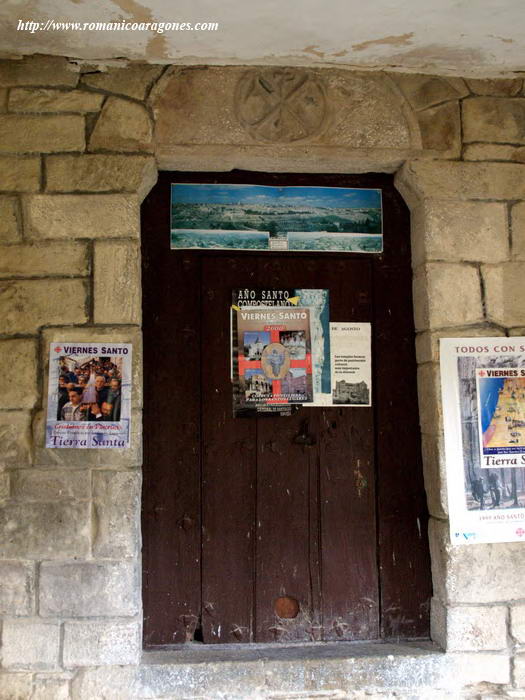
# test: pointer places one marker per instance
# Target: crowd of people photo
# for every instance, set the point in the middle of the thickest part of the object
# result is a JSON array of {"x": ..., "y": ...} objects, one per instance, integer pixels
[{"x": 89, "y": 391}]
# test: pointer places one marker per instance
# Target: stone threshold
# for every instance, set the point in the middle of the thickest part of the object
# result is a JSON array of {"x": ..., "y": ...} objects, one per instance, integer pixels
[{"x": 329, "y": 669}]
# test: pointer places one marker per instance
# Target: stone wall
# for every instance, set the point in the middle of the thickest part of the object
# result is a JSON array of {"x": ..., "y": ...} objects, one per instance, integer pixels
[{"x": 79, "y": 149}]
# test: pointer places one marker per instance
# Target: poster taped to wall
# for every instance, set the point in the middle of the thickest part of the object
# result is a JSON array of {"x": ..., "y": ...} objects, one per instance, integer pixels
[
  {"x": 89, "y": 395},
  {"x": 273, "y": 358},
  {"x": 483, "y": 393},
  {"x": 265, "y": 218}
]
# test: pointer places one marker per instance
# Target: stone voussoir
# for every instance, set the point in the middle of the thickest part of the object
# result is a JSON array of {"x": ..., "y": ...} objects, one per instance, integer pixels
[
  {"x": 133, "y": 80},
  {"x": 122, "y": 126}
]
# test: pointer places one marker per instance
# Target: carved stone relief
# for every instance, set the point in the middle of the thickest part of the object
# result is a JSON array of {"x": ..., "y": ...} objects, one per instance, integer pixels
[{"x": 281, "y": 105}]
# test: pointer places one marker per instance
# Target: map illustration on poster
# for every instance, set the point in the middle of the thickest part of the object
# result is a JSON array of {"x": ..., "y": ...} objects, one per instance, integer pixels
[
  {"x": 89, "y": 395},
  {"x": 264, "y": 218},
  {"x": 483, "y": 392}
]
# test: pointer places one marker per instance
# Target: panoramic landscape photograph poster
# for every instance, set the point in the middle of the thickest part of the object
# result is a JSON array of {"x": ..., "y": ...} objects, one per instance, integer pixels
[
  {"x": 483, "y": 392},
  {"x": 265, "y": 218}
]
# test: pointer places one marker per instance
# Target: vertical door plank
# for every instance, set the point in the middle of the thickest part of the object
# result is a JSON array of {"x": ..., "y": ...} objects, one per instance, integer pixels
[
  {"x": 286, "y": 545},
  {"x": 171, "y": 502},
  {"x": 402, "y": 522},
  {"x": 350, "y": 601},
  {"x": 228, "y": 469}
]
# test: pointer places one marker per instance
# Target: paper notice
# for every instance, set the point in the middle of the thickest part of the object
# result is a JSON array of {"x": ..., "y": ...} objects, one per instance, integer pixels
[{"x": 351, "y": 364}]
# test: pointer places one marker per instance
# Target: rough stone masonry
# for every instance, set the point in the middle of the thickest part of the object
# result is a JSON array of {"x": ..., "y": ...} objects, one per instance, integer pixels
[{"x": 79, "y": 148}]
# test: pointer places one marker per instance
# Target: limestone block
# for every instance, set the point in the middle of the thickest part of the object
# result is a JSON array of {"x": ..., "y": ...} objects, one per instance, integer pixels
[
  {"x": 105, "y": 682},
  {"x": 434, "y": 472},
  {"x": 441, "y": 128},
  {"x": 19, "y": 174},
  {"x": 4, "y": 486},
  {"x": 51, "y": 686},
  {"x": 20, "y": 356},
  {"x": 16, "y": 686},
  {"x": 100, "y": 173},
  {"x": 489, "y": 151},
  {"x": 39, "y": 70},
  {"x": 122, "y": 126},
  {"x": 422, "y": 179},
  {"x": 15, "y": 438},
  {"x": 50, "y": 485},
  {"x": 424, "y": 91},
  {"x": 503, "y": 293},
  {"x": 3, "y": 100},
  {"x": 17, "y": 588},
  {"x": 459, "y": 231},
  {"x": 517, "y": 622},
  {"x": 518, "y": 231},
  {"x": 62, "y": 258},
  {"x": 82, "y": 216},
  {"x": 472, "y": 628},
  {"x": 496, "y": 88},
  {"x": 438, "y": 287},
  {"x": 10, "y": 228},
  {"x": 480, "y": 573},
  {"x": 427, "y": 343},
  {"x": 118, "y": 458},
  {"x": 26, "y": 305},
  {"x": 44, "y": 100},
  {"x": 45, "y": 530},
  {"x": 30, "y": 644},
  {"x": 133, "y": 80},
  {"x": 495, "y": 120},
  {"x": 88, "y": 589},
  {"x": 116, "y": 497},
  {"x": 117, "y": 282},
  {"x": 429, "y": 396},
  {"x": 101, "y": 643},
  {"x": 519, "y": 671},
  {"x": 46, "y": 134}
]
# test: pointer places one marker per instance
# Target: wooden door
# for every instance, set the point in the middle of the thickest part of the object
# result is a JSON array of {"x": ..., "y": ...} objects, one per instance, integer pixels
[{"x": 309, "y": 527}]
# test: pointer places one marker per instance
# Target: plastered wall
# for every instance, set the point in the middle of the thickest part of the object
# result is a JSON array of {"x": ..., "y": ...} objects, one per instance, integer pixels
[{"x": 79, "y": 149}]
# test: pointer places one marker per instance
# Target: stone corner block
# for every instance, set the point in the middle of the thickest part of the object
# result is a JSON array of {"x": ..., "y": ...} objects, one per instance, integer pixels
[
  {"x": 19, "y": 354},
  {"x": 518, "y": 231},
  {"x": 451, "y": 231},
  {"x": 88, "y": 589},
  {"x": 117, "y": 282},
  {"x": 68, "y": 216},
  {"x": 30, "y": 644},
  {"x": 469, "y": 628},
  {"x": 434, "y": 472},
  {"x": 116, "y": 499},
  {"x": 494, "y": 120},
  {"x": 517, "y": 622},
  {"x": 101, "y": 643},
  {"x": 438, "y": 287},
  {"x": 504, "y": 293},
  {"x": 122, "y": 126},
  {"x": 10, "y": 220},
  {"x": 429, "y": 393}
]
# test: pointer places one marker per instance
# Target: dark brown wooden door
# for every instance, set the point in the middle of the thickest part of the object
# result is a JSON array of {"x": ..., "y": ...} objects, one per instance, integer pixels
[{"x": 309, "y": 527}]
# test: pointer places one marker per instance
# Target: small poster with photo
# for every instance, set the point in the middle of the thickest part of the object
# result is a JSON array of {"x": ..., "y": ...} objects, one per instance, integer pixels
[
  {"x": 89, "y": 395},
  {"x": 273, "y": 358}
]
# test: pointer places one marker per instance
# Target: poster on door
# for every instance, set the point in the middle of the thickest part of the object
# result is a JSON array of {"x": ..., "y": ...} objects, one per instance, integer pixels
[
  {"x": 483, "y": 394},
  {"x": 265, "y": 218},
  {"x": 89, "y": 395},
  {"x": 273, "y": 358},
  {"x": 351, "y": 364},
  {"x": 318, "y": 303}
]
